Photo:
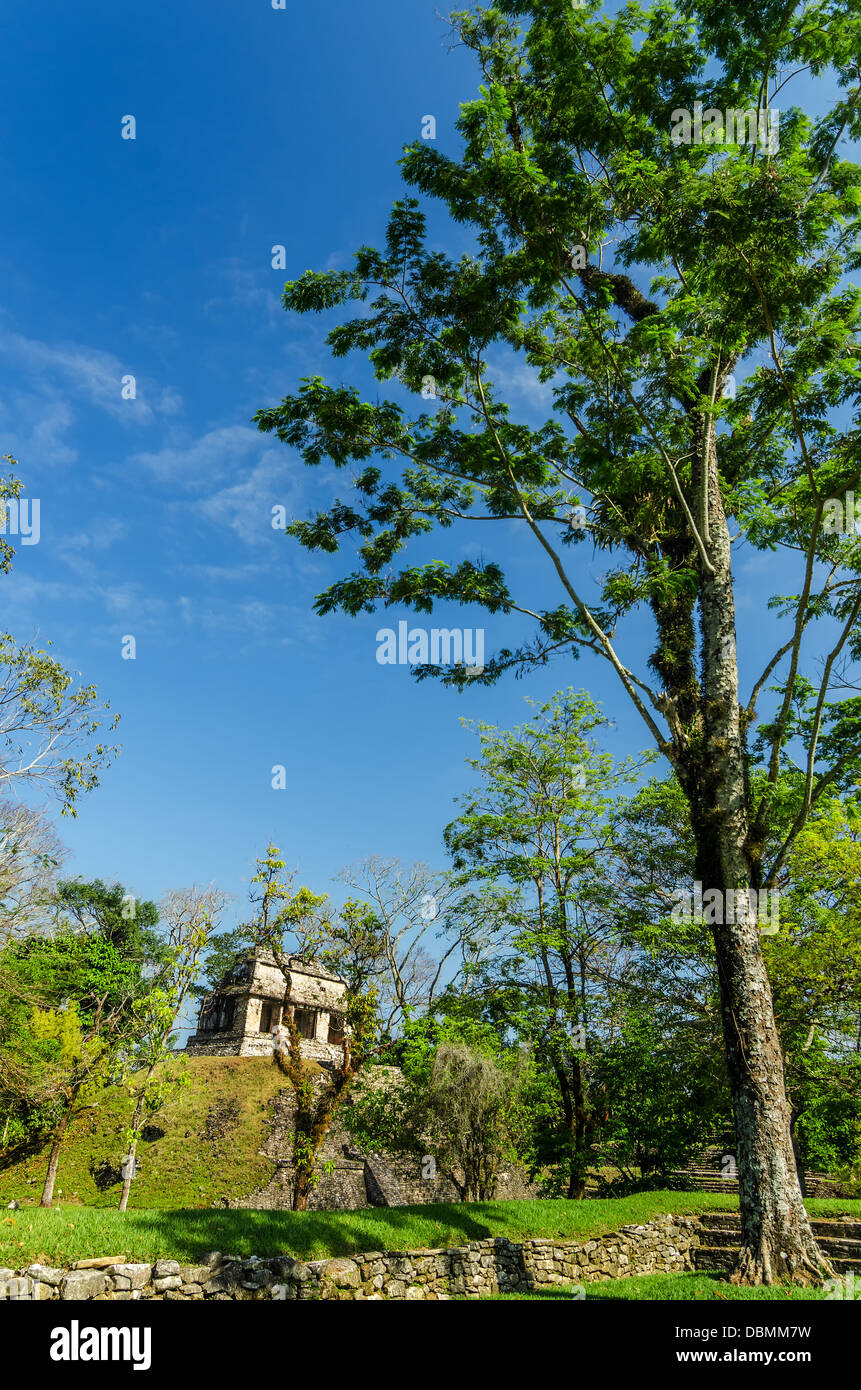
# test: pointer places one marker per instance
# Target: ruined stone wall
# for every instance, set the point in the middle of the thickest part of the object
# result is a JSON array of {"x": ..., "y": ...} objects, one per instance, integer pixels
[
  {"x": 356, "y": 1180},
  {"x": 402, "y": 1184},
  {"x": 665, "y": 1245}
]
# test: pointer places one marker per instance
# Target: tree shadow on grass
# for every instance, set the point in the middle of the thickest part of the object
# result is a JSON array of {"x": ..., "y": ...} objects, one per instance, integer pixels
[{"x": 310, "y": 1235}]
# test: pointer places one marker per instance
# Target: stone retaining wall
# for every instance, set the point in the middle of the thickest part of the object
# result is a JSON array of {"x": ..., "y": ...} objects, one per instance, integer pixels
[{"x": 665, "y": 1245}]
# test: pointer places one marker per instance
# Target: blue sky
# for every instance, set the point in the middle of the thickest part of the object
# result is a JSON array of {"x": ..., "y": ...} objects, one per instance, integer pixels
[{"x": 153, "y": 257}]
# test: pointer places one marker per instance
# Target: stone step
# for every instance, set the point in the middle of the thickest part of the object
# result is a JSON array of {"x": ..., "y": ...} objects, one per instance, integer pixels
[
  {"x": 723, "y": 1259},
  {"x": 730, "y": 1221},
  {"x": 712, "y": 1179},
  {"x": 714, "y": 1239},
  {"x": 841, "y": 1230}
]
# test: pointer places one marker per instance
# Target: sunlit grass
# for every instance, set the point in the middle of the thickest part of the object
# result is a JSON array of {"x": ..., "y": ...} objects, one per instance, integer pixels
[
  {"x": 653, "y": 1288},
  {"x": 67, "y": 1233}
]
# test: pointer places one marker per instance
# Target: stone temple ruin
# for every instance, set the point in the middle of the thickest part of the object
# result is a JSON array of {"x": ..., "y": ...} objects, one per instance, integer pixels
[
  {"x": 243, "y": 1015},
  {"x": 242, "y": 1018}
]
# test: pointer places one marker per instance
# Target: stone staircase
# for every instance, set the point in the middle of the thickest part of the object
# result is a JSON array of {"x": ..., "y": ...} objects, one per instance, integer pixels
[
  {"x": 704, "y": 1179},
  {"x": 708, "y": 1176},
  {"x": 720, "y": 1241}
]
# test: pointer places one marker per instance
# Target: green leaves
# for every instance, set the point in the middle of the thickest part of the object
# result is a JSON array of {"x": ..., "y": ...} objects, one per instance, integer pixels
[
  {"x": 45, "y": 717},
  {"x": 688, "y": 307}
]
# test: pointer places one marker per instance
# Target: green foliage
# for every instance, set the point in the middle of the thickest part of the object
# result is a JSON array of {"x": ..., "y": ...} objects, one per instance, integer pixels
[
  {"x": 567, "y": 145},
  {"x": 814, "y": 963},
  {"x": 459, "y": 1099},
  {"x": 64, "y": 1004},
  {"x": 665, "y": 1097},
  {"x": 541, "y": 826},
  {"x": 128, "y": 924},
  {"x": 72, "y": 967}
]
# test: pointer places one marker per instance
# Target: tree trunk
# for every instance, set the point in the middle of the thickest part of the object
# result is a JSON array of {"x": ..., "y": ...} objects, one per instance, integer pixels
[
  {"x": 133, "y": 1149},
  {"x": 777, "y": 1241},
  {"x": 795, "y": 1116},
  {"x": 54, "y": 1160},
  {"x": 776, "y": 1237},
  {"x": 129, "y": 1174},
  {"x": 577, "y": 1186},
  {"x": 300, "y": 1194}
]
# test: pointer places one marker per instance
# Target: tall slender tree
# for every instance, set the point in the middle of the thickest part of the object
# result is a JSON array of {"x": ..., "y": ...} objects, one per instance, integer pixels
[{"x": 540, "y": 822}]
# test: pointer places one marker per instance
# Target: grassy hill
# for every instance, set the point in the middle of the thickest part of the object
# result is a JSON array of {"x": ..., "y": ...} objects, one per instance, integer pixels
[{"x": 204, "y": 1144}]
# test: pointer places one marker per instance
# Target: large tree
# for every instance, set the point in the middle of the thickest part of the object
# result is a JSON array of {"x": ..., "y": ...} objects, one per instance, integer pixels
[{"x": 711, "y": 406}]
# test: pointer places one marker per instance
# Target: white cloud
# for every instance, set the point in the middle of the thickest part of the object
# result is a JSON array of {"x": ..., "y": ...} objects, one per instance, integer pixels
[
  {"x": 91, "y": 375},
  {"x": 34, "y": 428},
  {"x": 516, "y": 378},
  {"x": 246, "y": 290},
  {"x": 215, "y": 454},
  {"x": 77, "y": 550},
  {"x": 247, "y": 506}
]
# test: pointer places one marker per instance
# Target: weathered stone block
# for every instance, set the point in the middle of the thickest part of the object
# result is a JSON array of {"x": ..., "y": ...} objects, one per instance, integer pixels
[
  {"x": 138, "y": 1275},
  {"x": 83, "y": 1283},
  {"x": 44, "y": 1273},
  {"x": 169, "y": 1282},
  {"x": 225, "y": 1281},
  {"x": 344, "y": 1274}
]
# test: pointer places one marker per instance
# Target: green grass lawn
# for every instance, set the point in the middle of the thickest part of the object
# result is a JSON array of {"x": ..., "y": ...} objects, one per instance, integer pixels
[
  {"x": 67, "y": 1233},
  {"x": 659, "y": 1288}
]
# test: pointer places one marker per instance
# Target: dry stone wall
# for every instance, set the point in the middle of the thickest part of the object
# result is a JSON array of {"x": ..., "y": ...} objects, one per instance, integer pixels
[{"x": 665, "y": 1245}]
